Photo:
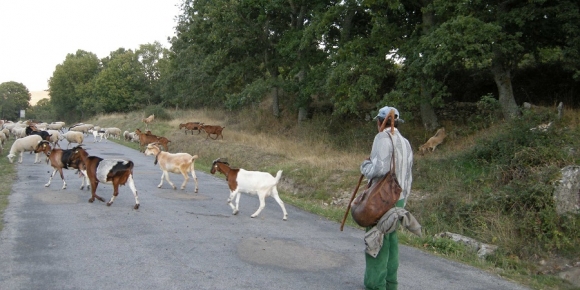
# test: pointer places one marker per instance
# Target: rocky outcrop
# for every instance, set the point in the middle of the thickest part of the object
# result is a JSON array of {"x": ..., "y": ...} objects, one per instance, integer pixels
[
  {"x": 481, "y": 248},
  {"x": 567, "y": 191}
]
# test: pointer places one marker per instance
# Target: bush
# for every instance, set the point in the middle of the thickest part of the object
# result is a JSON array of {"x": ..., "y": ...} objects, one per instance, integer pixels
[
  {"x": 506, "y": 175},
  {"x": 159, "y": 111}
]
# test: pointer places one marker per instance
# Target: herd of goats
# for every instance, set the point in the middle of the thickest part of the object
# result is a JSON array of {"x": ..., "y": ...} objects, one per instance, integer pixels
[{"x": 43, "y": 138}]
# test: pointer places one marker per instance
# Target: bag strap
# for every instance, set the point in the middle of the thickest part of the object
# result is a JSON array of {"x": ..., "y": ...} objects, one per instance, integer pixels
[{"x": 393, "y": 166}]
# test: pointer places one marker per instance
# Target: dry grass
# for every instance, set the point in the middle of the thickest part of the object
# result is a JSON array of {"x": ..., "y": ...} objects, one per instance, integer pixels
[{"x": 238, "y": 143}]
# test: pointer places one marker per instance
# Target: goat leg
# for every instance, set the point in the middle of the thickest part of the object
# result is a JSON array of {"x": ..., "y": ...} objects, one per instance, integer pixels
[
  {"x": 261, "y": 197},
  {"x": 276, "y": 196},
  {"x": 233, "y": 195},
  {"x": 50, "y": 179},
  {"x": 134, "y": 190}
]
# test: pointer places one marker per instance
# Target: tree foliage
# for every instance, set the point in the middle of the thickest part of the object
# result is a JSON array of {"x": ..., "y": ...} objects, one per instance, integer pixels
[
  {"x": 121, "y": 85},
  {"x": 13, "y": 98},
  {"x": 71, "y": 86},
  {"x": 352, "y": 56}
]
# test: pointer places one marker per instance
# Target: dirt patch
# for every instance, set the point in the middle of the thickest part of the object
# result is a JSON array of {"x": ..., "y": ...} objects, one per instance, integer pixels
[
  {"x": 564, "y": 268},
  {"x": 288, "y": 255},
  {"x": 61, "y": 197}
]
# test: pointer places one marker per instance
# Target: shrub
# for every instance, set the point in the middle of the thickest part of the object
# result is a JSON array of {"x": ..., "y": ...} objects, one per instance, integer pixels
[{"x": 159, "y": 111}]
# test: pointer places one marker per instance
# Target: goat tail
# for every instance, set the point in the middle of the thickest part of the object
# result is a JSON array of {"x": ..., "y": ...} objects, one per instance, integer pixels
[
  {"x": 440, "y": 131},
  {"x": 278, "y": 176}
]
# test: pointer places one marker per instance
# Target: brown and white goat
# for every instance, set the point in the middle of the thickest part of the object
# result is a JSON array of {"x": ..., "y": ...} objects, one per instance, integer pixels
[
  {"x": 59, "y": 159},
  {"x": 174, "y": 163},
  {"x": 239, "y": 180},
  {"x": 110, "y": 171}
]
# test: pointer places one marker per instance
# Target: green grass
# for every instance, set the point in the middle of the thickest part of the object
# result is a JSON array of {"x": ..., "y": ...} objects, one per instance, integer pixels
[{"x": 7, "y": 176}]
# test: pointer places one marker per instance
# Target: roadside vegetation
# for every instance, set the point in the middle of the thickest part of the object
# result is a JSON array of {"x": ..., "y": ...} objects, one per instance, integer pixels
[
  {"x": 7, "y": 176},
  {"x": 490, "y": 180}
]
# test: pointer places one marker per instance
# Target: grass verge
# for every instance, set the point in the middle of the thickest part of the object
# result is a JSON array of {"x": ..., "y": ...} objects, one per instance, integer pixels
[{"x": 7, "y": 176}]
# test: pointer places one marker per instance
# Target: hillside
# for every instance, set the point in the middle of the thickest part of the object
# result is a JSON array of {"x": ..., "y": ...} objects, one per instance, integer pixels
[{"x": 489, "y": 180}]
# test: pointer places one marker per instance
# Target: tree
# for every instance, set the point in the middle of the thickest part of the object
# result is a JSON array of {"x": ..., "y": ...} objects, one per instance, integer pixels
[
  {"x": 499, "y": 35},
  {"x": 13, "y": 98},
  {"x": 43, "y": 110},
  {"x": 71, "y": 85},
  {"x": 121, "y": 85},
  {"x": 357, "y": 37},
  {"x": 153, "y": 58}
]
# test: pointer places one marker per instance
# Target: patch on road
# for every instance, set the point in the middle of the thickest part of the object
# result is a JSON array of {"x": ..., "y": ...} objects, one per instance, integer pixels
[
  {"x": 174, "y": 194},
  {"x": 288, "y": 255},
  {"x": 58, "y": 197}
]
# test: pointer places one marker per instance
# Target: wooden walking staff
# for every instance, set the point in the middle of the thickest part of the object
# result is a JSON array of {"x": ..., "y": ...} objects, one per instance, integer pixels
[
  {"x": 350, "y": 202},
  {"x": 383, "y": 125}
]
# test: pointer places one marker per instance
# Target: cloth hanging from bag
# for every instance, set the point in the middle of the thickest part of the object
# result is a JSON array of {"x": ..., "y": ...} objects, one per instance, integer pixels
[{"x": 388, "y": 224}]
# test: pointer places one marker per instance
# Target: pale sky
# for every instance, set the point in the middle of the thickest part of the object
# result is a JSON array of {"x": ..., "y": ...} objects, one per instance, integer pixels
[{"x": 36, "y": 35}]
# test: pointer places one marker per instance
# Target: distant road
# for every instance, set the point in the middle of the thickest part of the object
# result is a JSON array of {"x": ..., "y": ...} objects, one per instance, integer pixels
[{"x": 55, "y": 239}]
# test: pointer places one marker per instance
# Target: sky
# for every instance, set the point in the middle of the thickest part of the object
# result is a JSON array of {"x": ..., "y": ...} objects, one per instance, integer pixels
[{"x": 36, "y": 35}]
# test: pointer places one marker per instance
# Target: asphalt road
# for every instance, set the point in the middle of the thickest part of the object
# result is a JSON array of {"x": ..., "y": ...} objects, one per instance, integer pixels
[{"x": 55, "y": 239}]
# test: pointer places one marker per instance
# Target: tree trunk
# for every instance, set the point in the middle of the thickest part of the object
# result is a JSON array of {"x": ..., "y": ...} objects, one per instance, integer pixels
[
  {"x": 275, "y": 106},
  {"x": 502, "y": 77},
  {"x": 302, "y": 114},
  {"x": 428, "y": 116},
  {"x": 302, "y": 111}
]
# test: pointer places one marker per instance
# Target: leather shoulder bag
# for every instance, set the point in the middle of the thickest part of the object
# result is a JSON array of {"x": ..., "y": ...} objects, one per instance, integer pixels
[{"x": 378, "y": 198}]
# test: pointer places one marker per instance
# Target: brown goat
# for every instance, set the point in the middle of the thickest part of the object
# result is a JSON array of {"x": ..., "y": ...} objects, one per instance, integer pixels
[
  {"x": 190, "y": 126},
  {"x": 213, "y": 130},
  {"x": 163, "y": 142},
  {"x": 59, "y": 159},
  {"x": 145, "y": 139},
  {"x": 111, "y": 171},
  {"x": 433, "y": 142},
  {"x": 148, "y": 120}
]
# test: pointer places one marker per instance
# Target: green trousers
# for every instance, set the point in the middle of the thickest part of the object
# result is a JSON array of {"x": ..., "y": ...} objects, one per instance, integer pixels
[{"x": 381, "y": 272}]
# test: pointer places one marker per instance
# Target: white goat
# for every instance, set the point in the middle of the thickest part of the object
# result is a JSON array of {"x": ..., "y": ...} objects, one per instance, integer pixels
[
  {"x": 98, "y": 133},
  {"x": 80, "y": 128},
  {"x": 131, "y": 136},
  {"x": 54, "y": 137},
  {"x": 73, "y": 137},
  {"x": 54, "y": 126},
  {"x": 174, "y": 163},
  {"x": 113, "y": 131},
  {"x": 19, "y": 132},
  {"x": 262, "y": 184},
  {"x": 6, "y": 132},
  {"x": 27, "y": 143}
]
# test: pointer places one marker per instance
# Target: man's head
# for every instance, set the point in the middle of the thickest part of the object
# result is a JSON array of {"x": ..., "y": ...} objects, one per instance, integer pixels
[{"x": 384, "y": 112}]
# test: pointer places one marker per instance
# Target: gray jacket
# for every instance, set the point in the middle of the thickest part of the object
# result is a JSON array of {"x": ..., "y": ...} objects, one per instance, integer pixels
[{"x": 380, "y": 160}]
